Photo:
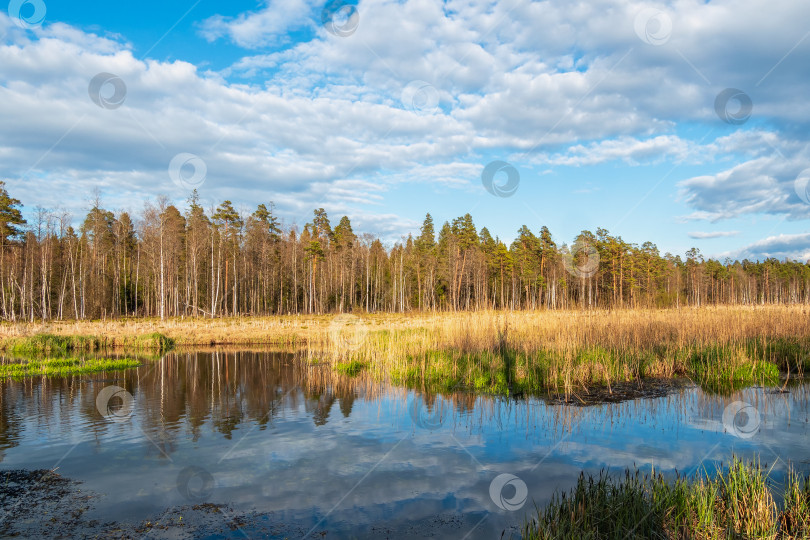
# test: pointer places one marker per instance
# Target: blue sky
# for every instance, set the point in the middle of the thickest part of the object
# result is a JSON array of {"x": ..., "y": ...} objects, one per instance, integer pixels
[{"x": 607, "y": 110}]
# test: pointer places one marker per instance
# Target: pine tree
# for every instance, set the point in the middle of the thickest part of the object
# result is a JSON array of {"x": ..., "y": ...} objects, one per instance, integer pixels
[{"x": 11, "y": 220}]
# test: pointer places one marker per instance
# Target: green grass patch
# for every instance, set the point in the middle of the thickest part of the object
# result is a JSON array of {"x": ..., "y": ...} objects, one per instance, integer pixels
[
  {"x": 788, "y": 354},
  {"x": 352, "y": 368},
  {"x": 736, "y": 502},
  {"x": 438, "y": 371},
  {"x": 54, "y": 345},
  {"x": 154, "y": 342},
  {"x": 51, "y": 367},
  {"x": 716, "y": 369},
  {"x": 510, "y": 372},
  {"x": 506, "y": 371},
  {"x": 725, "y": 369}
]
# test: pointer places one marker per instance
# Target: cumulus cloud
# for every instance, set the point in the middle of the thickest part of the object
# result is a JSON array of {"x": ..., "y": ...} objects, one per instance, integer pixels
[
  {"x": 783, "y": 246},
  {"x": 257, "y": 144},
  {"x": 541, "y": 73},
  {"x": 321, "y": 117},
  {"x": 766, "y": 184},
  {"x": 267, "y": 26}
]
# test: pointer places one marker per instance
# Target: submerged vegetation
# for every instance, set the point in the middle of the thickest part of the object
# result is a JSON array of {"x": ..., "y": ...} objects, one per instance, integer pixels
[
  {"x": 737, "y": 502},
  {"x": 64, "y": 366}
]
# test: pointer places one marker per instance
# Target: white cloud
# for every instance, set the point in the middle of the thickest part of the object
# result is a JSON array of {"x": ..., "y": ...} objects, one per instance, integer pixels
[
  {"x": 535, "y": 76},
  {"x": 762, "y": 185},
  {"x": 630, "y": 150},
  {"x": 700, "y": 235},
  {"x": 542, "y": 82},
  {"x": 636, "y": 151},
  {"x": 268, "y": 26},
  {"x": 257, "y": 144},
  {"x": 783, "y": 246}
]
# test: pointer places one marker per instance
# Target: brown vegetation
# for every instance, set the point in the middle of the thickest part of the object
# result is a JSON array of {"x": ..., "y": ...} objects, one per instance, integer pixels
[
  {"x": 500, "y": 351},
  {"x": 467, "y": 331}
]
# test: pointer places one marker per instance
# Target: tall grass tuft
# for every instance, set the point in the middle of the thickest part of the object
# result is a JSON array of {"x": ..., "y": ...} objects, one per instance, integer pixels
[
  {"x": 722, "y": 369},
  {"x": 795, "y": 519},
  {"x": 736, "y": 503},
  {"x": 600, "y": 508}
]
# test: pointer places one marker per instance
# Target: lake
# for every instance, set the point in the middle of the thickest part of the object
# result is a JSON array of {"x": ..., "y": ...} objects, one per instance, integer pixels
[{"x": 296, "y": 450}]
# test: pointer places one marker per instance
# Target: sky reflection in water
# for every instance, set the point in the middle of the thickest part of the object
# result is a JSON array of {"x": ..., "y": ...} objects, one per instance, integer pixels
[{"x": 261, "y": 432}]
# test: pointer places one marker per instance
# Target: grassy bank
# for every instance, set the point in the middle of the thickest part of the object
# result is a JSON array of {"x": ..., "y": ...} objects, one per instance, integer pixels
[
  {"x": 64, "y": 366},
  {"x": 721, "y": 349},
  {"x": 736, "y": 502},
  {"x": 488, "y": 351},
  {"x": 61, "y": 345}
]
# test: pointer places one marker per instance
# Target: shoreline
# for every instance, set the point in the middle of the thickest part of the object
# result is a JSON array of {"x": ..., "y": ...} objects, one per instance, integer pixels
[{"x": 494, "y": 352}]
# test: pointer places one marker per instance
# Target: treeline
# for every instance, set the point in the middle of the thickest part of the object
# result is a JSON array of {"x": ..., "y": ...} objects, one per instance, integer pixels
[{"x": 167, "y": 262}]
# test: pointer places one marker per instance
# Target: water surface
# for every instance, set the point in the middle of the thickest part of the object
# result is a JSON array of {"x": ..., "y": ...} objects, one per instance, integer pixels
[{"x": 310, "y": 452}]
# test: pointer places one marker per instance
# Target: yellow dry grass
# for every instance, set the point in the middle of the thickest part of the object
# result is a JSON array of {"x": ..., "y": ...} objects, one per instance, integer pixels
[{"x": 464, "y": 331}]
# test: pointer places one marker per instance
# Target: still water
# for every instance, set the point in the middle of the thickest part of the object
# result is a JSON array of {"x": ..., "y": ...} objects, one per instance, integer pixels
[{"x": 309, "y": 452}]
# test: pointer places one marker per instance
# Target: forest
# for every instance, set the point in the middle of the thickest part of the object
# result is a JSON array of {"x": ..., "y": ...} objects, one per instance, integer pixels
[{"x": 218, "y": 262}]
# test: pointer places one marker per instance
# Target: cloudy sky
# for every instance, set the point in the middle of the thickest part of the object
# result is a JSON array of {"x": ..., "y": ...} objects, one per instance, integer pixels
[{"x": 685, "y": 123}]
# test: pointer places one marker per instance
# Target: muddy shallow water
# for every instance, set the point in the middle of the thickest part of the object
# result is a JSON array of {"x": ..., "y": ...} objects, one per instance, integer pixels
[{"x": 257, "y": 444}]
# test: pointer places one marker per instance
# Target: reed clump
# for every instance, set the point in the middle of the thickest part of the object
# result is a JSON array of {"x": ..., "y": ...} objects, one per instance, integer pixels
[
  {"x": 722, "y": 369},
  {"x": 51, "y": 344},
  {"x": 737, "y": 502},
  {"x": 351, "y": 368},
  {"x": 722, "y": 349},
  {"x": 795, "y": 519}
]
